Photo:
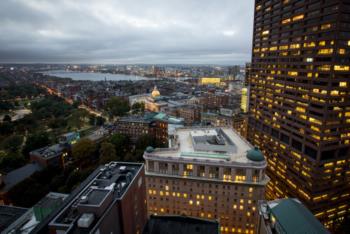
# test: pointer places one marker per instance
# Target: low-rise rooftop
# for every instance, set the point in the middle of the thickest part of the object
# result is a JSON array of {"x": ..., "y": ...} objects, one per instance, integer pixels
[
  {"x": 16, "y": 176},
  {"x": 49, "y": 151},
  {"x": 108, "y": 183},
  {"x": 8, "y": 215}
]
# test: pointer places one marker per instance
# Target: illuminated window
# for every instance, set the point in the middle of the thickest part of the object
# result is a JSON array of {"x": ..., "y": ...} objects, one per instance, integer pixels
[
  {"x": 292, "y": 73},
  {"x": 190, "y": 202},
  {"x": 298, "y": 17},
  {"x": 349, "y": 43},
  {"x": 250, "y": 189},
  {"x": 285, "y": 47},
  {"x": 189, "y": 166},
  {"x": 316, "y": 121},
  {"x": 258, "y": 7},
  {"x": 341, "y": 51},
  {"x": 300, "y": 109},
  {"x": 341, "y": 68},
  {"x": 324, "y": 68},
  {"x": 286, "y": 21},
  {"x": 265, "y": 32},
  {"x": 325, "y": 51},
  {"x": 309, "y": 60},
  {"x": 294, "y": 46},
  {"x": 343, "y": 84},
  {"x": 322, "y": 43},
  {"x": 166, "y": 187},
  {"x": 334, "y": 92},
  {"x": 326, "y": 26},
  {"x": 310, "y": 44}
]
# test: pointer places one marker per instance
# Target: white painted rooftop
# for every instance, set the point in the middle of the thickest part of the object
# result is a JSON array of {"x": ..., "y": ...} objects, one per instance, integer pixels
[{"x": 209, "y": 151}]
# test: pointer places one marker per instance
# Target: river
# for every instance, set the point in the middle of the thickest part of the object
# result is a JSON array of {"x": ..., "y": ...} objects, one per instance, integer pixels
[{"x": 94, "y": 76}]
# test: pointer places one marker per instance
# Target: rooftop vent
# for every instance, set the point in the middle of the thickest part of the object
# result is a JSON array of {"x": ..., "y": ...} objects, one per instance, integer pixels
[
  {"x": 122, "y": 168},
  {"x": 86, "y": 220}
]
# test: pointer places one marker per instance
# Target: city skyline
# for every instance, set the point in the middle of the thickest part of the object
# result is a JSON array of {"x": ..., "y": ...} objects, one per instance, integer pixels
[{"x": 126, "y": 33}]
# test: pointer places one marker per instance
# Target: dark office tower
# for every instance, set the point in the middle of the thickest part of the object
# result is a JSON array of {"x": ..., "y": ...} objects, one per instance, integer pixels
[{"x": 300, "y": 101}]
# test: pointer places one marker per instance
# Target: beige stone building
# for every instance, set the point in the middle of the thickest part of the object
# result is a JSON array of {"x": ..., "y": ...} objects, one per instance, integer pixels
[{"x": 209, "y": 173}]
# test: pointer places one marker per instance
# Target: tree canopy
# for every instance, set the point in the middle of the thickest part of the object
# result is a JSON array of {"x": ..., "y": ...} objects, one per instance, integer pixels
[
  {"x": 138, "y": 108},
  {"x": 117, "y": 106},
  {"x": 83, "y": 152},
  {"x": 36, "y": 141},
  {"x": 107, "y": 153},
  {"x": 121, "y": 144}
]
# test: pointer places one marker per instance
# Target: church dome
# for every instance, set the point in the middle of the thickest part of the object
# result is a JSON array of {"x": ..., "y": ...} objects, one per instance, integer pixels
[{"x": 155, "y": 92}]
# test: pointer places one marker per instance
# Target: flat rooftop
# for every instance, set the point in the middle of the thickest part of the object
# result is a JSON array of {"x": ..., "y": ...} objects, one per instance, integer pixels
[
  {"x": 49, "y": 151},
  {"x": 106, "y": 184},
  {"x": 221, "y": 143},
  {"x": 16, "y": 176},
  {"x": 8, "y": 215},
  {"x": 180, "y": 225}
]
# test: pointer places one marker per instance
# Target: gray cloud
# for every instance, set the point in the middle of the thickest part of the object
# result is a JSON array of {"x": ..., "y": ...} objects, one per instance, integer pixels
[{"x": 132, "y": 31}]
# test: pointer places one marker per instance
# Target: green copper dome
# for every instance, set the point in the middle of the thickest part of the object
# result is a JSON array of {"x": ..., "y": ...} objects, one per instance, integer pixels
[
  {"x": 149, "y": 149},
  {"x": 255, "y": 155}
]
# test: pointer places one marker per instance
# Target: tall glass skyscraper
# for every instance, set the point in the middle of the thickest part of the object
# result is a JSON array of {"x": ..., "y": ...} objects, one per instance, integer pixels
[{"x": 299, "y": 101}]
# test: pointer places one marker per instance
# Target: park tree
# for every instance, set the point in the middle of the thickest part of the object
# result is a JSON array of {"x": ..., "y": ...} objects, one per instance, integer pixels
[
  {"x": 121, "y": 144},
  {"x": 117, "y": 106},
  {"x": 141, "y": 144},
  {"x": 6, "y": 128},
  {"x": 107, "y": 153},
  {"x": 96, "y": 120},
  {"x": 77, "y": 119},
  {"x": 84, "y": 152},
  {"x": 138, "y": 108},
  {"x": 7, "y": 118},
  {"x": 36, "y": 141},
  {"x": 12, "y": 143}
]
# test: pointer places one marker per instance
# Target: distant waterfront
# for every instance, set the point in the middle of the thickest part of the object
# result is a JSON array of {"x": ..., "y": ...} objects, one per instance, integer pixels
[{"x": 94, "y": 76}]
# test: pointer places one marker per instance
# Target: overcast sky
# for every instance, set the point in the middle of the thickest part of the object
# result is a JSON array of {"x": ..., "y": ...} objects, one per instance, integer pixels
[{"x": 126, "y": 31}]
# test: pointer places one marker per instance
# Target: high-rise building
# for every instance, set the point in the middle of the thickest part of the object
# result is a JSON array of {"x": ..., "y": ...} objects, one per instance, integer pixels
[
  {"x": 111, "y": 200},
  {"x": 208, "y": 173},
  {"x": 300, "y": 101}
]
